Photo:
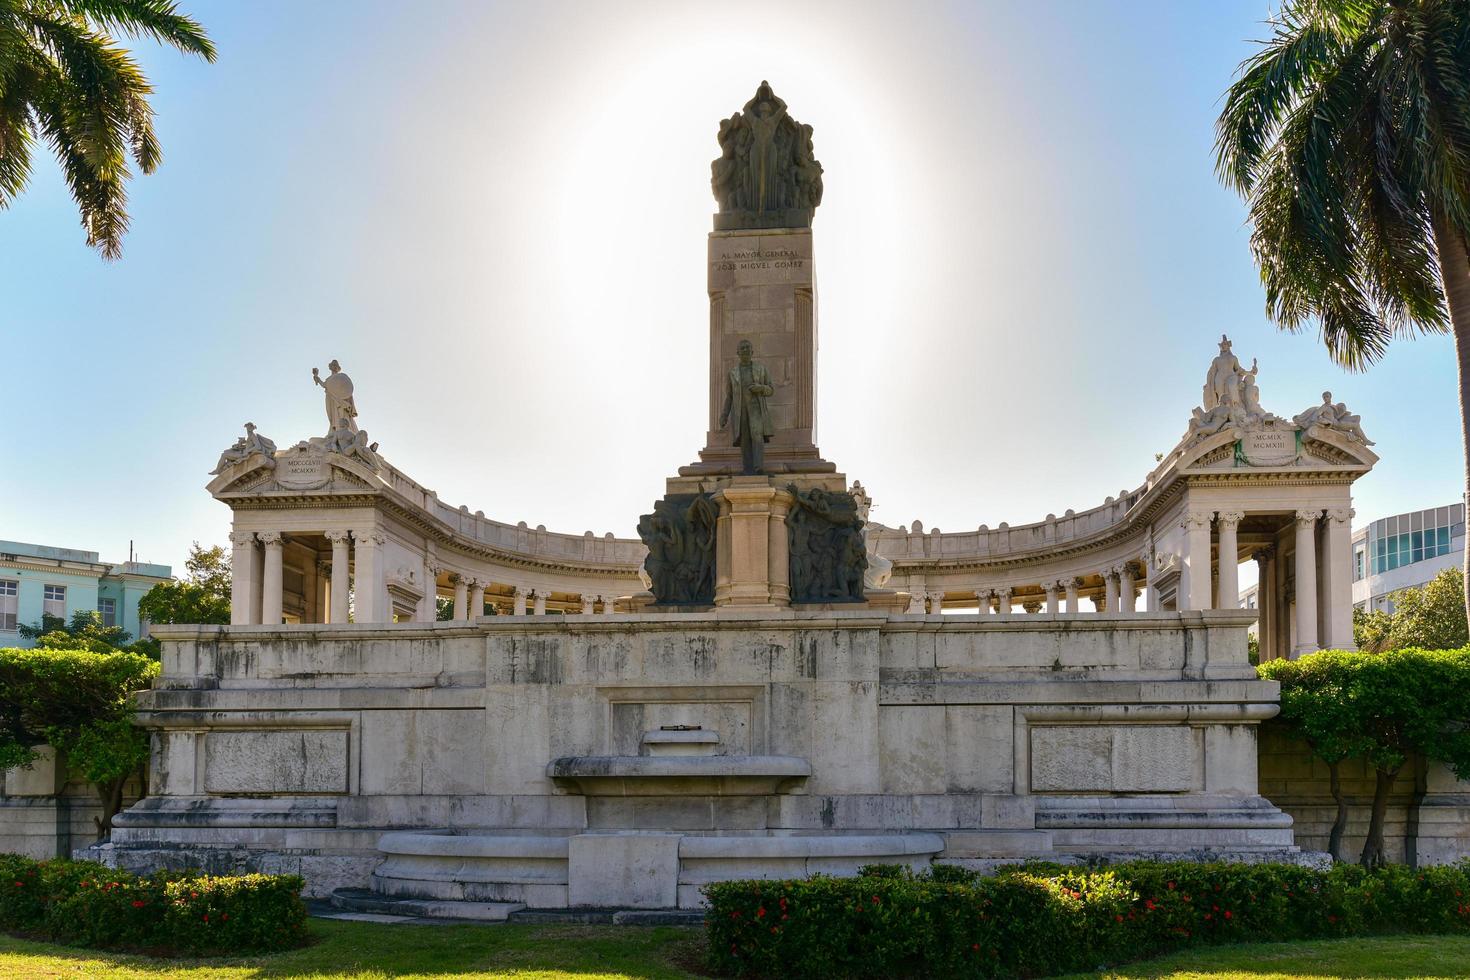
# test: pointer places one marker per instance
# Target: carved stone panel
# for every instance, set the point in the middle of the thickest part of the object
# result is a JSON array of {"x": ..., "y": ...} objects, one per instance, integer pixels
[
  {"x": 680, "y": 535},
  {"x": 828, "y": 553},
  {"x": 309, "y": 761}
]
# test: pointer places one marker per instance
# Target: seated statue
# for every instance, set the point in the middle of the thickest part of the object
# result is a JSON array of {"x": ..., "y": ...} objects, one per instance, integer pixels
[
  {"x": 250, "y": 444},
  {"x": 349, "y": 440}
]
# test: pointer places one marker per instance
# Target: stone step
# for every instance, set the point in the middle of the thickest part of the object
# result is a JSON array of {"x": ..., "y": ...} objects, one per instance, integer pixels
[
  {"x": 362, "y": 900},
  {"x": 617, "y": 917}
]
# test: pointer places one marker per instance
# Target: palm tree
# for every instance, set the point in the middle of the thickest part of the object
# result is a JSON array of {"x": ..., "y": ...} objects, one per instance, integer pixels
[
  {"x": 1348, "y": 134},
  {"x": 66, "y": 83}
]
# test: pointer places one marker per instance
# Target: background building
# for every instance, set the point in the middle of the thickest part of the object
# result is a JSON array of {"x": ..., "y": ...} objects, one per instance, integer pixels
[
  {"x": 1404, "y": 551},
  {"x": 37, "y": 579}
]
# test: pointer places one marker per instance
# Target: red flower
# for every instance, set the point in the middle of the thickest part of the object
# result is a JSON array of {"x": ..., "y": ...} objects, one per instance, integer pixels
[
  {"x": 775, "y": 929},
  {"x": 206, "y": 916},
  {"x": 976, "y": 947},
  {"x": 19, "y": 885},
  {"x": 1120, "y": 918},
  {"x": 137, "y": 904},
  {"x": 1227, "y": 913},
  {"x": 760, "y": 913},
  {"x": 1171, "y": 886}
]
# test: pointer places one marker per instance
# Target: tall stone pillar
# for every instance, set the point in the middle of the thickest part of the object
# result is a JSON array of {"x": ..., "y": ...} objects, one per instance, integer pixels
[
  {"x": 609, "y": 604},
  {"x": 1306, "y": 583},
  {"x": 589, "y": 602},
  {"x": 1196, "y": 526},
  {"x": 1265, "y": 603},
  {"x": 1227, "y": 524},
  {"x": 477, "y": 598},
  {"x": 982, "y": 598},
  {"x": 270, "y": 579},
  {"x": 540, "y": 605},
  {"x": 1003, "y": 601},
  {"x": 1127, "y": 594},
  {"x": 244, "y": 573},
  {"x": 1073, "y": 599},
  {"x": 341, "y": 575},
  {"x": 518, "y": 595},
  {"x": 1051, "y": 596},
  {"x": 371, "y": 591},
  {"x": 461, "y": 598},
  {"x": 936, "y": 603},
  {"x": 1337, "y": 579}
]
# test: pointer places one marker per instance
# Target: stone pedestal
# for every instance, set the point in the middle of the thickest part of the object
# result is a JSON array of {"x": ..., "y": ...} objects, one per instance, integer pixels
[
  {"x": 762, "y": 289},
  {"x": 752, "y": 563}
]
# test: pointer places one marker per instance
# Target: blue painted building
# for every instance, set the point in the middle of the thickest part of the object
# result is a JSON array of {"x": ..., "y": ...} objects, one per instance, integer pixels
[{"x": 37, "y": 579}]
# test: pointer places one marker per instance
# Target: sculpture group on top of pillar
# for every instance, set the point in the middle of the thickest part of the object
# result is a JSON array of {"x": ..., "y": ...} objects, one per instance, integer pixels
[
  {"x": 766, "y": 175},
  {"x": 252, "y": 443}
]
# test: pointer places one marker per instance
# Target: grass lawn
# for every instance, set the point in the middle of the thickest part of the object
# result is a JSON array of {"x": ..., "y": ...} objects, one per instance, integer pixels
[{"x": 360, "y": 951}]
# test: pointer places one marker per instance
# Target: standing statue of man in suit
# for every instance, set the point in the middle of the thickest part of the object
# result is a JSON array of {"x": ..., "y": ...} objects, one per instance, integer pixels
[{"x": 745, "y": 410}]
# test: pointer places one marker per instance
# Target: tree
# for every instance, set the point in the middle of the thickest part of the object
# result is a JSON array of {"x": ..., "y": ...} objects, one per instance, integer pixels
[
  {"x": 1431, "y": 617},
  {"x": 1348, "y": 134},
  {"x": 1385, "y": 708},
  {"x": 84, "y": 632},
  {"x": 202, "y": 596},
  {"x": 1316, "y": 709},
  {"x": 1370, "y": 629},
  {"x": 79, "y": 703},
  {"x": 65, "y": 82}
]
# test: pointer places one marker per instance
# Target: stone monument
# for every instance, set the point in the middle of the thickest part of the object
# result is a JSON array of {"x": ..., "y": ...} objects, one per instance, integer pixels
[{"x": 761, "y": 285}]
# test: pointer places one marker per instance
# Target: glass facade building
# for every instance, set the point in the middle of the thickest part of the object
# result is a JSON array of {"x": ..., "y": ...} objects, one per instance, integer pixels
[{"x": 1404, "y": 539}]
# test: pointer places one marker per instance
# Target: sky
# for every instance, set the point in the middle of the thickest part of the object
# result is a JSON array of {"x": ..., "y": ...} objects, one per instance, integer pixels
[{"x": 494, "y": 216}]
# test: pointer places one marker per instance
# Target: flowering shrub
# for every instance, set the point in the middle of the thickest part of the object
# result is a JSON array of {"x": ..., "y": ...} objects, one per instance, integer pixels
[
  {"x": 90, "y": 904},
  {"x": 1042, "y": 919}
]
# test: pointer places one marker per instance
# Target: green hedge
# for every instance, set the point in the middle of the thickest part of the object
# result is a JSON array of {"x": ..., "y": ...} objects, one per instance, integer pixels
[
  {"x": 1041, "y": 920},
  {"x": 89, "y": 904}
]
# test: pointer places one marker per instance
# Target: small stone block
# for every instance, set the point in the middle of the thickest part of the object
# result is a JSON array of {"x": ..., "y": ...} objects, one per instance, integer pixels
[{"x": 636, "y": 871}]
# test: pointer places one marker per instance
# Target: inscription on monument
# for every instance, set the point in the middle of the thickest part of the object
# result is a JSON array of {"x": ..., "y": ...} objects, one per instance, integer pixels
[
  {"x": 1268, "y": 447},
  {"x": 302, "y": 472}
]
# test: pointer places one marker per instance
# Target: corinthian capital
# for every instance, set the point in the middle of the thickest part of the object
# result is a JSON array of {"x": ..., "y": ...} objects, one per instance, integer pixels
[
  {"x": 1196, "y": 519},
  {"x": 337, "y": 537},
  {"x": 271, "y": 539},
  {"x": 1307, "y": 516},
  {"x": 1342, "y": 514},
  {"x": 1231, "y": 517},
  {"x": 241, "y": 538}
]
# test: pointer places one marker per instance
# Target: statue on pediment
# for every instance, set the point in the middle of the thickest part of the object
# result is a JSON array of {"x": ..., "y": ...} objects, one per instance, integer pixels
[
  {"x": 767, "y": 174},
  {"x": 1226, "y": 378},
  {"x": 252, "y": 443},
  {"x": 1230, "y": 397},
  {"x": 1330, "y": 415},
  {"x": 338, "y": 387},
  {"x": 349, "y": 440}
]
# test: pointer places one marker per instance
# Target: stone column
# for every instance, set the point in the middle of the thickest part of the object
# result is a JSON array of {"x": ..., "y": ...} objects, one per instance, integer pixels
[
  {"x": 341, "y": 574},
  {"x": 1306, "y": 582},
  {"x": 982, "y": 600},
  {"x": 1073, "y": 598},
  {"x": 477, "y": 598},
  {"x": 1003, "y": 601},
  {"x": 1337, "y": 579},
  {"x": 244, "y": 572},
  {"x": 778, "y": 548},
  {"x": 270, "y": 579},
  {"x": 1227, "y": 524},
  {"x": 1196, "y": 526},
  {"x": 1265, "y": 602},
  {"x": 1110, "y": 587},
  {"x": 540, "y": 605},
  {"x": 461, "y": 598},
  {"x": 1051, "y": 589},
  {"x": 588, "y": 602},
  {"x": 1127, "y": 594},
  {"x": 1100, "y": 601},
  {"x": 370, "y": 593},
  {"x": 518, "y": 594},
  {"x": 936, "y": 603},
  {"x": 609, "y": 605},
  {"x": 429, "y": 604}
]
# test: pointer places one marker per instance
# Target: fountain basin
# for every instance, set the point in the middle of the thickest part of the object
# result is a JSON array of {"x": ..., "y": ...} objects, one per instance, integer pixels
[{"x": 690, "y": 775}]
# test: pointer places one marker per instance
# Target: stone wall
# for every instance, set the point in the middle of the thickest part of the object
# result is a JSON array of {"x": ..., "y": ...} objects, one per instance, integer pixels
[
  {"x": 298, "y": 748},
  {"x": 1428, "y": 820},
  {"x": 45, "y": 812}
]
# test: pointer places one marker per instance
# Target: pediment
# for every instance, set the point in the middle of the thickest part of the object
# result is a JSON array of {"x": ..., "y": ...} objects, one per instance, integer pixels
[{"x": 1275, "y": 445}]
